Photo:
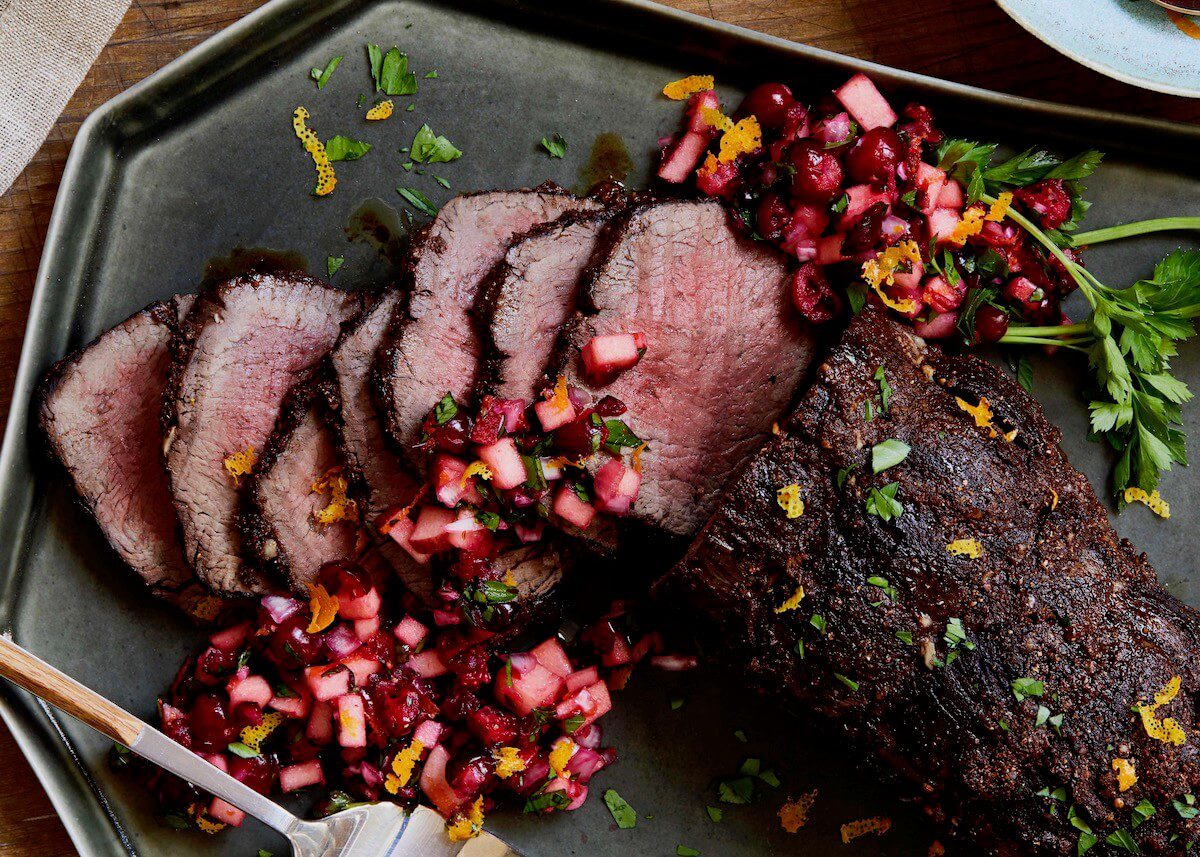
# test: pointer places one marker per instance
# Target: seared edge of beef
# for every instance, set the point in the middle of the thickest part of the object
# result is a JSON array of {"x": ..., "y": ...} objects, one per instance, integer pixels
[
  {"x": 160, "y": 561},
  {"x": 209, "y": 308},
  {"x": 311, "y": 399},
  {"x": 1056, "y": 597}
]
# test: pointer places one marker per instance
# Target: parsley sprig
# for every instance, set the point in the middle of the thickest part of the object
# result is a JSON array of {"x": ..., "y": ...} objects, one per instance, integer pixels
[{"x": 1129, "y": 341}]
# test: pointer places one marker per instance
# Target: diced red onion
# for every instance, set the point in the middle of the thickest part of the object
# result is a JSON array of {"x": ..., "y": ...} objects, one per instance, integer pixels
[
  {"x": 674, "y": 663},
  {"x": 342, "y": 642},
  {"x": 584, "y": 764}
]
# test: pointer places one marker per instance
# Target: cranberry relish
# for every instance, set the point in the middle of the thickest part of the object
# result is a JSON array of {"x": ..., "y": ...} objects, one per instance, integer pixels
[
  {"x": 837, "y": 183},
  {"x": 366, "y": 694}
]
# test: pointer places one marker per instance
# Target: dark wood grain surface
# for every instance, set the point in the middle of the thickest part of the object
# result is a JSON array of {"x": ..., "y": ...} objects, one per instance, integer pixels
[{"x": 970, "y": 41}]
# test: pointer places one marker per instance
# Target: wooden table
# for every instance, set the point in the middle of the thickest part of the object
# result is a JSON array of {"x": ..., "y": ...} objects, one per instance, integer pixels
[{"x": 970, "y": 41}]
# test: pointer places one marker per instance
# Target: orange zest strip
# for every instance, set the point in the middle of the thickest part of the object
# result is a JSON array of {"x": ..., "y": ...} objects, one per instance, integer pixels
[
  {"x": 381, "y": 111},
  {"x": 326, "y": 180},
  {"x": 324, "y": 608},
  {"x": 686, "y": 87}
]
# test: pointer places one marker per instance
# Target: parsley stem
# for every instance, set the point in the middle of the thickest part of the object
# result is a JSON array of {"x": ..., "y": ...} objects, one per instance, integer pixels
[
  {"x": 1052, "y": 329},
  {"x": 1025, "y": 223},
  {"x": 1138, "y": 227}
]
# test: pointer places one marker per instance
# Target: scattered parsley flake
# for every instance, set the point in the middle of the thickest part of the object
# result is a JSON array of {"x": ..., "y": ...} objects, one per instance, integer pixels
[
  {"x": 430, "y": 148},
  {"x": 1024, "y": 688},
  {"x": 684, "y": 851},
  {"x": 885, "y": 390},
  {"x": 849, "y": 682},
  {"x": 321, "y": 76},
  {"x": 243, "y": 751},
  {"x": 740, "y": 735},
  {"x": 887, "y": 454},
  {"x": 905, "y": 637},
  {"x": 442, "y": 182},
  {"x": 623, "y": 814},
  {"x": 340, "y": 148},
  {"x": 715, "y": 814},
  {"x": 418, "y": 201},
  {"x": 333, "y": 264},
  {"x": 882, "y": 502},
  {"x": 556, "y": 145},
  {"x": 818, "y": 622}
]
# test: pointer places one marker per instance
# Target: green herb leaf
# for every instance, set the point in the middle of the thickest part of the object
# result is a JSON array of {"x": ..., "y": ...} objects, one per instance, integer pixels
[
  {"x": 418, "y": 201},
  {"x": 340, "y": 148},
  {"x": 1121, "y": 838},
  {"x": 428, "y": 148},
  {"x": 739, "y": 791},
  {"x": 684, "y": 851},
  {"x": 740, "y": 735},
  {"x": 882, "y": 502},
  {"x": 1186, "y": 808},
  {"x": 956, "y": 635},
  {"x": 620, "y": 436},
  {"x": 535, "y": 477},
  {"x": 677, "y": 703},
  {"x": 542, "y": 801},
  {"x": 445, "y": 410},
  {"x": 887, "y": 454},
  {"x": 839, "y": 204},
  {"x": 333, "y": 264},
  {"x": 442, "y": 182},
  {"x": 556, "y": 146},
  {"x": 623, "y": 814},
  {"x": 375, "y": 59},
  {"x": 394, "y": 77},
  {"x": 770, "y": 778},
  {"x": 905, "y": 637},
  {"x": 1141, "y": 812},
  {"x": 849, "y": 682},
  {"x": 241, "y": 750},
  {"x": 715, "y": 814},
  {"x": 885, "y": 391},
  {"x": 818, "y": 622},
  {"x": 321, "y": 76},
  {"x": 751, "y": 767},
  {"x": 572, "y": 723},
  {"x": 489, "y": 519},
  {"x": 430, "y": 75},
  {"x": 1024, "y": 688}
]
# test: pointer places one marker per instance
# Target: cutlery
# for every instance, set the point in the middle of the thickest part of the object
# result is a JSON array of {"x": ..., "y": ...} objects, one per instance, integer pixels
[{"x": 372, "y": 830}]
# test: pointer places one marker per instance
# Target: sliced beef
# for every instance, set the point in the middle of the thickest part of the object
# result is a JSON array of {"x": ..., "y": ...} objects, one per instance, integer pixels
[
  {"x": 528, "y": 297},
  {"x": 725, "y": 352},
  {"x": 380, "y": 477},
  {"x": 940, "y": 664},
  {"x": 434, "y": 347},
  {"x": 292, "y": 484},
  {"x": 243, "y": 345},
  {"x": 99, "y": 410}
]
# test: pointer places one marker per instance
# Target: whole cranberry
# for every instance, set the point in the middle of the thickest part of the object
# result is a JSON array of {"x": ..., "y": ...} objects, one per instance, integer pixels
[
  {"x": 259, "y": 772},
  {"x": 581, "y": 436},
  {"x": 348, "y": 579},
  {"x": 874, "y": 156},
  {"x": 1047, "y": 200},
  {"x": 247, "y": 714},
  {"x": 610, "y": 406},
  {"x": 812, "y": 295},
  {"x": 471, "y": 667},
  {"x": 817, "y": 176},
  {"x": 210, "y": 724},
  {"x": 452, "y": 436},
  {"x": 769, "y": 103},
  {"x": 469, "y": 775},
  {"x": 773, "y": 216},
  {"x": 291, "y": 646},
  {"x": 990, "y": 324}
]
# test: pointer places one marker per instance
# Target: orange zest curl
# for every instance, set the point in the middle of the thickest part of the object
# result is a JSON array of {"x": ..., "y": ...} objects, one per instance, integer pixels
[
  {"x": 466, "y": 824},
  {"x": 326, "y": 180},
  {"x": 793, "y": 601},
  {"x": 862, "y": 827},
  {"x": 1126, "y": 775},
  {"x": 324, "y": 608},
  {"x": 883, "y": 269},
  {"x": 794, "y": 814},
  {"x": 686, "y": 87},
  {"x": 982, "y": 414},
  {"x": 788, "y": 498},
  {"x": 560, "y": 400},
  {"x": 475, "y": 468},
  {"x": 508, "y": 762},
  {"x": 253, "y": 736},
  {"x": 382, "y": 111},
  {"x": 403, "y": 766},
  {"x": 1153, "y": 500},
  {"x": 240, "y": 464},
  {"x": 1167, "y": 729},
  {"x": 965, "y": 547},
  {"x": 971, "y": 224},
  {"x": 340, "y": 507},
  {"x": 999, "y": 209}
]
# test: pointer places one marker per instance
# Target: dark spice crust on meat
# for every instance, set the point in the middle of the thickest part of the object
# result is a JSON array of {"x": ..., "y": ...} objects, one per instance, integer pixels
[
  {"x": 420, "y": 243},
  {"x": 488, "y": 304},
  {"x": 260, "y": 542},
  {"x": 188, "y": 594},
  {"x": 1056, "y": 597}
]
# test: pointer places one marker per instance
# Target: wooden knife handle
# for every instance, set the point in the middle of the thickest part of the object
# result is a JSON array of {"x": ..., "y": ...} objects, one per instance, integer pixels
[{"x": 63, "y": 692}]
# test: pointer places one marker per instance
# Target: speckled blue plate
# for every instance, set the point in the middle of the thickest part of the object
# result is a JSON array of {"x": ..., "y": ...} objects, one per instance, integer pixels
[{"x": 1134, "y": 41}]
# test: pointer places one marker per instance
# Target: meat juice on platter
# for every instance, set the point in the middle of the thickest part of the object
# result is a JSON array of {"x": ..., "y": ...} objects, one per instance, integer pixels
[{"x": 373, "y": 501}]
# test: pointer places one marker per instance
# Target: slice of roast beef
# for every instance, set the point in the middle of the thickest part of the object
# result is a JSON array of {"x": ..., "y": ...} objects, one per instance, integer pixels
[
  {"x": 992, "y": 640},
  {"x": 725, "y": 350},
  {"x": 528, "y": 297},
  {"x": 380, "y": 477},
  {"x": 433, "y": 345},
  {"x": 99, "y": 409},
  {"x": 242, "y": 347},
  {"x": 296, "y": 518}
]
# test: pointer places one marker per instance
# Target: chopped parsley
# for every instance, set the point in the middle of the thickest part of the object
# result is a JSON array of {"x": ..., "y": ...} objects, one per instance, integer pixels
[
  {"x": 844, "y": 473},
  {"x": 905, "y": 637},
  {"x": 572, "y": 723},
  {"x": 715, "y": 814},
  {"x": 1123, "y": 839},
  {"x": 885, "y": 390},
  {"x": 333, "y": 264},
  {"x": 556, "y": 145},
  {"x": 442, "y": 182},
  {"x": 684, "y": 851},
  {"x": 677, "y": 703},
  {"x": 839, "y": 204},
  {"x": 620, "y": 436},
  {"x": 552, "y": 800},
  {"x": 428, "y": 148},
  {"x": 887, "y": 454},
  {"x": 751, "y": 767},
  {"x": 1024, "y": 688},
  {"x": 1187, "y": 807},
  {"x": 770, "y": 778},
  {"x": 882, "y": 502},
  {"x": 882, "y": 583},
  {"x": 430, "y": 75},
  {"x": 241, "y": 750},
  {"x": 818, "y": 622},
  {"x": 390, "y": 71},
  {"x": 956, "y": 635},
  {"x": 322, "y": 75},
  {"x": 445, "y": 410},
  {"x": 1141, "y": 812},
  {"x": 418, "y": 201},
  {"x": 849, "y": 682},
  {"x": 738, "y": 791},
  {"x": 489, "y": 519},
  {"x": 623, "y": 814},
  {"x": 740, "y": 735},
  {"x": 340, "y": 148}
]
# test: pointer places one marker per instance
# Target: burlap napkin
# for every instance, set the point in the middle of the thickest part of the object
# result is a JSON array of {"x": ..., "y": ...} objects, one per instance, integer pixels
[{"x": 46, "y": 47}]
